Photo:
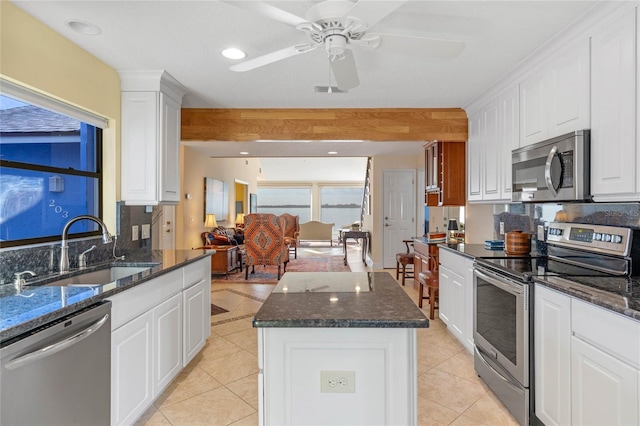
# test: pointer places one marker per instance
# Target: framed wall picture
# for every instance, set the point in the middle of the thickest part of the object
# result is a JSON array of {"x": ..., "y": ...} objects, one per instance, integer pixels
[{"x": 253, "y": 203}]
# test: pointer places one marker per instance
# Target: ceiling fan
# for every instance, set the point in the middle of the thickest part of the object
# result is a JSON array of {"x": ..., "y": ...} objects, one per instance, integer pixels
[{"x": 339, "y": 25}]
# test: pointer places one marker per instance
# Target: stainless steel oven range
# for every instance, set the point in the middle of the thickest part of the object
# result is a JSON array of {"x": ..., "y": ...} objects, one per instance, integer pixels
[
  {"x": 503, "y": 300},
  {"x": 502, "y": 316}
]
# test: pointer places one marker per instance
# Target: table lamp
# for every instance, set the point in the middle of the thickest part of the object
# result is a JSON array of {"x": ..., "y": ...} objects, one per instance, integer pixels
[
  {"x": 210, "y": 221},
  {"x": 240, "y": 220},
  {"x": 452, "y": 228}
]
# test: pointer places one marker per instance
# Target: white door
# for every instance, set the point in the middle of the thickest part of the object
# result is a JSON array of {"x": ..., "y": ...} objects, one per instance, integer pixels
[{"x": 399, "y": 213}]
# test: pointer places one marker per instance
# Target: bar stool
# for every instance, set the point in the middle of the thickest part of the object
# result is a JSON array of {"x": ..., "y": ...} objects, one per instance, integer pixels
[
  {"x": 431, "y": 280},
  {"x": 405, "y": 258}
]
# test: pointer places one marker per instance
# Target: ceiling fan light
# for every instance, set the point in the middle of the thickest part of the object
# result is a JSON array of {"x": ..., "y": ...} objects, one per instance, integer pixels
[{"x": 234, "y": 53}]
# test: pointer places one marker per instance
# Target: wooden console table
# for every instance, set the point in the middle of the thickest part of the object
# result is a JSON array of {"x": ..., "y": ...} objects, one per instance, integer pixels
[{"x": 356, "y": 235}]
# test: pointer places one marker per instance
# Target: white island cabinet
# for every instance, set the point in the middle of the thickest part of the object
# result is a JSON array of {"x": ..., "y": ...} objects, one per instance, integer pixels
[
  {"x": 150, "y": 143},
  {"x": 157, "y": 328},
  {"x": 338, "y": 348}
]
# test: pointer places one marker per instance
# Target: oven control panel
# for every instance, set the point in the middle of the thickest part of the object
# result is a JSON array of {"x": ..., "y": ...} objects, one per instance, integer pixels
[{"x": 601, "y": 238}]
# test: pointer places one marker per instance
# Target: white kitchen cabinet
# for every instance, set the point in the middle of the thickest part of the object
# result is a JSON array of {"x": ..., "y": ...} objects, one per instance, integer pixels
[
  {"x": 605, "y": 389},
  {"x": 150, "y": 330},
  {"x": 552, "y": 347},
  {"x": 568, "y": 95},
  {"x": 491, "y": 151},
  {"x": 131, "y": 369},
  {"x": 614, "y": 139},
  {"x": 533, "y": 117},
  {"x": 509, "y": 137},
  {"x": 493, "y": 134},
  {"x": 587, "y": 362},
  {"x": 196, "y": 302},
  {"x": 554, "y": 100},
  {"x": 167, "y": 342},
  {"x": 445, "y": 294},
  {"x": 150, "y": 138},
  {"x": 456, "y": 296},
  {"x": 197, "y": 314},
  {"x": 474, "y": 157}
]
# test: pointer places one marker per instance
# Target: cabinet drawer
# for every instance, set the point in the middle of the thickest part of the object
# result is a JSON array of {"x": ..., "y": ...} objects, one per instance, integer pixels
[
  {"x": 610, "y": 332},
  {"x": 133, "y": 302},
  {"x": 454, "y": 262},
  {"x": 196, "y": 272}
]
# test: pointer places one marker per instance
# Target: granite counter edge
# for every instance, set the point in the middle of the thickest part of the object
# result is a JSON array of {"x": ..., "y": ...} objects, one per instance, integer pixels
[
  {"x": 24, "y": 327},
  {"x": 339, "y": 323}
]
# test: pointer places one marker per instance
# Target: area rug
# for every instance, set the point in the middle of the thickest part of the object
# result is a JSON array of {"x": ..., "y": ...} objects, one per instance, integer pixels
[
  {"x": 215, "y": 310},
  {"x": 269, "y": 274}
]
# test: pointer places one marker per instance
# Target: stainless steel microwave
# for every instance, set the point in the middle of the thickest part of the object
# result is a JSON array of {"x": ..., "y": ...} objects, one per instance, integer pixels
[{"x": 553, "y": 170}]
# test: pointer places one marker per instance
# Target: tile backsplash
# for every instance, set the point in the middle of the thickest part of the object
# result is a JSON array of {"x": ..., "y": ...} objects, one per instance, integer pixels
[{"x": 43, "y": 259}]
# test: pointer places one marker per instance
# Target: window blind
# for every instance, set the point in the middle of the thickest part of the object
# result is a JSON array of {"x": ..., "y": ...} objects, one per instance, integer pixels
[{"x": 24, "y": 94}]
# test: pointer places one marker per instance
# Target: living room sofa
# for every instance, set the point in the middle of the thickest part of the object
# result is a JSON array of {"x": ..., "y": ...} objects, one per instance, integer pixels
[{"x": 316, "y": 231}]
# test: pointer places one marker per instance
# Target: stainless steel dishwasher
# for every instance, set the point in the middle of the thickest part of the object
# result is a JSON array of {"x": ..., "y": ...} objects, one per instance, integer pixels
[{"x": 59, "y": 373}]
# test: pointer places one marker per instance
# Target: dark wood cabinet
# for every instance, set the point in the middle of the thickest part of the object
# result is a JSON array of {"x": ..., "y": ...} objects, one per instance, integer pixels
[{"x": 445, "y": 173}]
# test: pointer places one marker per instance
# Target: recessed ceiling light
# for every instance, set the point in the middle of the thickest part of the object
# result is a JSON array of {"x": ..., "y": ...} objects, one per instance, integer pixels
[
  {"x": 84, "y": 27},
  {"x": 244, "y": 153},
  {"x": 332, "y": 152},
  {"x": 233, "y": 53}
]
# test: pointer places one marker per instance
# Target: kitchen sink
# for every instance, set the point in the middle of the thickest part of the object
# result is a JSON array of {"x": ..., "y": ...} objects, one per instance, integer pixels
[{"x": 99, "y": 277}]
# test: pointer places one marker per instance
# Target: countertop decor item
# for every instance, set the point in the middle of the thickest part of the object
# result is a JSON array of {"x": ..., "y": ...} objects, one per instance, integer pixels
[
  {"x": 517, "y": 242},
  {"x": 452, "y": 227}
]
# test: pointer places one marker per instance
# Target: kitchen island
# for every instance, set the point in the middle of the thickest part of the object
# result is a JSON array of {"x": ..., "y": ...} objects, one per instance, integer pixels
[{"x": 338, "y": 348}]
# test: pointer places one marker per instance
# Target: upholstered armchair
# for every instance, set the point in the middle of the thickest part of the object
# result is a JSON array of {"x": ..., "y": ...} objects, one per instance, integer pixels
[
  {"x": 264, "y": 242},
  {"x": 291, "y": 232}
]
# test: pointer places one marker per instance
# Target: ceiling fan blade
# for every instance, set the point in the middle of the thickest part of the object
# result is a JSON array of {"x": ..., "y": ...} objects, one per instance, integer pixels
[
  {"x": 269, "y": 11},
  {"x": 373, "y": 11},
  {"x": 345, "y": 71},
  {"x": 272, "y": 57},
  {"x": 432, "y": 47}
]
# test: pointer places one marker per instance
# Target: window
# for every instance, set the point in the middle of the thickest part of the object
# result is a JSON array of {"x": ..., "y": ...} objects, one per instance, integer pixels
[
  {"x": 50, "y": 172},
  {"x": 295, "y": 201},
  {"x": 340, "y": 205}
]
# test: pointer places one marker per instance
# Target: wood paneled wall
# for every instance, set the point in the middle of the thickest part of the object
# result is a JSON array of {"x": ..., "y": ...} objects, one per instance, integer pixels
[{"x": 375, "y": 124}]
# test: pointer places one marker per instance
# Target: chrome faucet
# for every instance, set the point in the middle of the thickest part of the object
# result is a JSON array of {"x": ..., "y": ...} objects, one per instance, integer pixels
[
  {"x": 64, "y": 248},
  {"x": 18, "y": 281},
  {"x": 82, "y": 257}
]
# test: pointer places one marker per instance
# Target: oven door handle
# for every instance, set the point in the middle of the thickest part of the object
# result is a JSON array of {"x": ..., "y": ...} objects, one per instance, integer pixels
[{"x": 499, "y": 282}]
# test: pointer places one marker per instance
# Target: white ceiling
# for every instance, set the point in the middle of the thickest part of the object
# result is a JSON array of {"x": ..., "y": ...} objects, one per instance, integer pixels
[{"x": 185, "y": 38}]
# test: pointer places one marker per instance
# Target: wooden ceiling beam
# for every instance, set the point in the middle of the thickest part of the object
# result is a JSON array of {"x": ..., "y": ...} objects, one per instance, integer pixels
[{"x": 373, "y": 124}]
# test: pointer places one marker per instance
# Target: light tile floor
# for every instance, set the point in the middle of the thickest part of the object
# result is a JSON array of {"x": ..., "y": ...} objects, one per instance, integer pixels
[{"x": 219, "y": 387}]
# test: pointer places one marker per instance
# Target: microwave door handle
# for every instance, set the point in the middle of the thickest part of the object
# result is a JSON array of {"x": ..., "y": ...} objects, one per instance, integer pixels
[{"x": 547, "y": 170}]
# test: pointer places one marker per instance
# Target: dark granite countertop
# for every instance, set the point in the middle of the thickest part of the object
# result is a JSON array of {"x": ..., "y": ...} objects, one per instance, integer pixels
[
  {"x": 339, "y": 299},
  {"x": 620, "y": 295},
  {"x": 477, "y": 251},
  {"x": 39, "y": 303}
]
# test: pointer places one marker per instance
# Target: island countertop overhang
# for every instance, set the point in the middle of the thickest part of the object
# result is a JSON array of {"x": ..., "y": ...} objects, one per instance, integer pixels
[{"x": 322, "y": 300}]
